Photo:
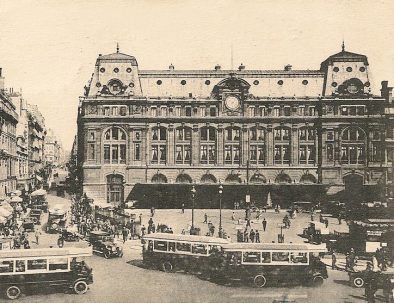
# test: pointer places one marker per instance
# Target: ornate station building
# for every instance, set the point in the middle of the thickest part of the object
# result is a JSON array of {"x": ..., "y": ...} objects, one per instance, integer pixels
[{"x": 144, "y": 134}]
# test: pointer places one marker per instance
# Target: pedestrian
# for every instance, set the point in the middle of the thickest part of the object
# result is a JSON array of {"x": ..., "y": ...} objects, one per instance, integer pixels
[
  {"x": 152, "y": 211},
  {"x": 388, "y": 290},
  {"x": 140, "y": 219},
  {"x": 239, "y": 236},
  {"x": 252, "y": 235},
  {"x": 183, "y": 208},
  {"x": 60, "y": 241},
  {"x": 333, "y": 260},
  {"x": 247, "y": 223},
  {"x": 124, "y": 234},
  {"x": 143, "y": 230},
  {"x": 339, "y": 219},
  {"x": 264, "y": 224},
  {"x": 326, "y": 222},
  {"x": 312, "y": 216},
  {"x": 246, "y": 236},
  {"x": 205, "y": 218},
  {"x": 153, "y": 227},
  {"x": 37, "y": 235},
  {"x": 257, "y": 236},
  {"x": 233, "y": 217}
]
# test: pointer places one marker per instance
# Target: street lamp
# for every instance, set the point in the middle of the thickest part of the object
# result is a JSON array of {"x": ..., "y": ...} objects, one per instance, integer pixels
[
  {"x": 193, "y": 191},
  {"x": 220, "y": 209}
]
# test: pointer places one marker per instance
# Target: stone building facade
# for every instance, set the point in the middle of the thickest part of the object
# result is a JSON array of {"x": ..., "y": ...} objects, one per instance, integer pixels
[
  {"x": 53, "y": 150},
  {"x": 252, "y": 130},
  {"x": 8, "y": 155}
]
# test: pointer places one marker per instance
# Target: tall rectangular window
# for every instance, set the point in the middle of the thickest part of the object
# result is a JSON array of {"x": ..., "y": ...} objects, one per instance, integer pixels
[
  {"x": 91, "y": 151},
  {"x": 212, "y": 111},
  {"x": 188, "y": 111},
  {"x": 107, "y": 156},
  {"x": 137, "y": 151}
]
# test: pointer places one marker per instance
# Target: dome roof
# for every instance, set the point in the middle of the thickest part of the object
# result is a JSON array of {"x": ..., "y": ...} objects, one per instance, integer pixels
[{"x": 117, "y": 57}]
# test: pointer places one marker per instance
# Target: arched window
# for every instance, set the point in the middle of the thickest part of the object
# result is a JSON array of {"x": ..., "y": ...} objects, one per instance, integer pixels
[
  {"x": 183, "y": 139},
  {"x": 115, "y": 146},
  {"x": 282, "y": 145},
  {"x": 159, "y": 145},
  {"x": 208, "y": 145},
  {"x": 307, "y": 148},
  {"x": 257, "y": 145},
  {"x": 232, "y": 152},
  {"x": 353, "y": 146}
]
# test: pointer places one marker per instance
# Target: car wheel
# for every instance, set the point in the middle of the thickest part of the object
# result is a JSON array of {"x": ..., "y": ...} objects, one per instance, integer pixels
[
  {"x": 13, "y": 292},
  {"x": 358, "y": 282},
  {"x": 107, "y": 255},
  {"x": 260, "y": 281},
  {"x": 317, "y": 280},
  {"x": 80, "y": 287},
  {"x": 167, "y": 267}
]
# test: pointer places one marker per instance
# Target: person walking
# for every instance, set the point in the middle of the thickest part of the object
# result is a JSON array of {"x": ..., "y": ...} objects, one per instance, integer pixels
[
  {"x": 252, "y": 235},
  {"x": 205, "y": 218},
  {"x": 143, "y": 230},
  {"x": 152, "y": 211},
  {"x": 233, "y": 216},
  {"x": 124, "y": 234},
  {"x": 247, "y": 223},
  {"x": 246, "y": 236},
  {"x": 257, "y": 236},
  {"x": 333, "y": 260},
  {"x": 264, "y": 224},
  {"x": 37, "y": 235},
  {"x": 140, "y": 219},
  {"x": 183, "y": 208}
]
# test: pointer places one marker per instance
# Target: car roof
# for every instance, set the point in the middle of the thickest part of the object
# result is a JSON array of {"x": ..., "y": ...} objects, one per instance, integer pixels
[{"x": 99, "y": 233}]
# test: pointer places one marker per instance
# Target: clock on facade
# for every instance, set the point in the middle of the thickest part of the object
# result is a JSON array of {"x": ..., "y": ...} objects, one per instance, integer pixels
[{"x": 232, "y": 102}]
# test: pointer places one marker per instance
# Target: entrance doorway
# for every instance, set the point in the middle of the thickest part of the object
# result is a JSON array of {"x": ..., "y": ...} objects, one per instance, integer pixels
[{"x": 115, "y": 189}]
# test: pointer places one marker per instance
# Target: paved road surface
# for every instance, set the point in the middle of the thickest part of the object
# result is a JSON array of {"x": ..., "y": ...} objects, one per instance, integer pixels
[{"x": 125, "y": 280}]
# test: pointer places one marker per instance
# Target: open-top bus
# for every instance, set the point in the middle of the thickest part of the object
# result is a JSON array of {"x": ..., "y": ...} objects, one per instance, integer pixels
[
  {"x": 270, "y": 263},
  {"x": 36, "y": 268},
  {"x": 172, "y": 252}
]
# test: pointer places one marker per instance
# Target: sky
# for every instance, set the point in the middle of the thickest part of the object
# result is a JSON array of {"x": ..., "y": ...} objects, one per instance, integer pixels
[{"x": 49, "y": 48}]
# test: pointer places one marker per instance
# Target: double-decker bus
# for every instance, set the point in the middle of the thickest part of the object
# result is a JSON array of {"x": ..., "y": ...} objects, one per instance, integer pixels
[
  {"x": 173, "y": 252},
  {"x": 36, "y": 268},
  {"x": 270, "y": 263}
]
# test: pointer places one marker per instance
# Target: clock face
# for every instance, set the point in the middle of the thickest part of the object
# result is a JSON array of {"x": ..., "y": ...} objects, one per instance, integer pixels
[{"x": 232, "y": 103}]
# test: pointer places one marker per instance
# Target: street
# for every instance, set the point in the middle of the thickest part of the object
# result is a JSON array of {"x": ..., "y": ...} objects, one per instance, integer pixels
[{"x": 126, "y": 280}]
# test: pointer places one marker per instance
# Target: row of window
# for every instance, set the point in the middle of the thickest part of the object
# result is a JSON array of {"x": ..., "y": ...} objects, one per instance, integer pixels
[
  {"x": 349, "y": 69},
  {"x": 352, "y": 148}
]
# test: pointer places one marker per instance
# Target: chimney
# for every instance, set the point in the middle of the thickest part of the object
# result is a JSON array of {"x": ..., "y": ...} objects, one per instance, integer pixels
[
  {"x": 217, "y": 67},
  {"x": 171, "y": 67},
  {"x": 288, "y": 67},
  {"x": 387, "y": 92},
  {"x": 241, "y": 67}
]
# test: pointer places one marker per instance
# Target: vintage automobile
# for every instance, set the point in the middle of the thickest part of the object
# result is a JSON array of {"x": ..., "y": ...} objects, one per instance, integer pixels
[
  {"x": 358, "y": 279},
  {"x": 35, "y": 215},
  {"x": 316, "y": 232},
  {"x": 105, "y": 244},
  {"x": 28, "y": 224},
  {"x": 70, "y": 235},
  {"x": 56, "y": 220}
]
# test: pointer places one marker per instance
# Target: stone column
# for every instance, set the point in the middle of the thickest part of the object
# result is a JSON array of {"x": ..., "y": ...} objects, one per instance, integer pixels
[
  {"x": 269, "y": 146},
  {"x": 145, "y": 144},
  {"x": 294, "y": 145},
  {"x": 220, "y": 145},
  {"x": 170, "y": 145},
  {"x": 195, "y": 145},
  {"x": 244, "y": 145}
]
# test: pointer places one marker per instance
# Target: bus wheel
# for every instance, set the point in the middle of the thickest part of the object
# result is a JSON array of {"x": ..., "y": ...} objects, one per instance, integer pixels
[
  {"x": 358, "y": 282},
  {"x": 167, "y": 267},
  {"x": 13, "y": 292},
  {"x": 260, "y": 281},
  {"x": 317, "y": 280},
  {"x": 80, "y": 287}
]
